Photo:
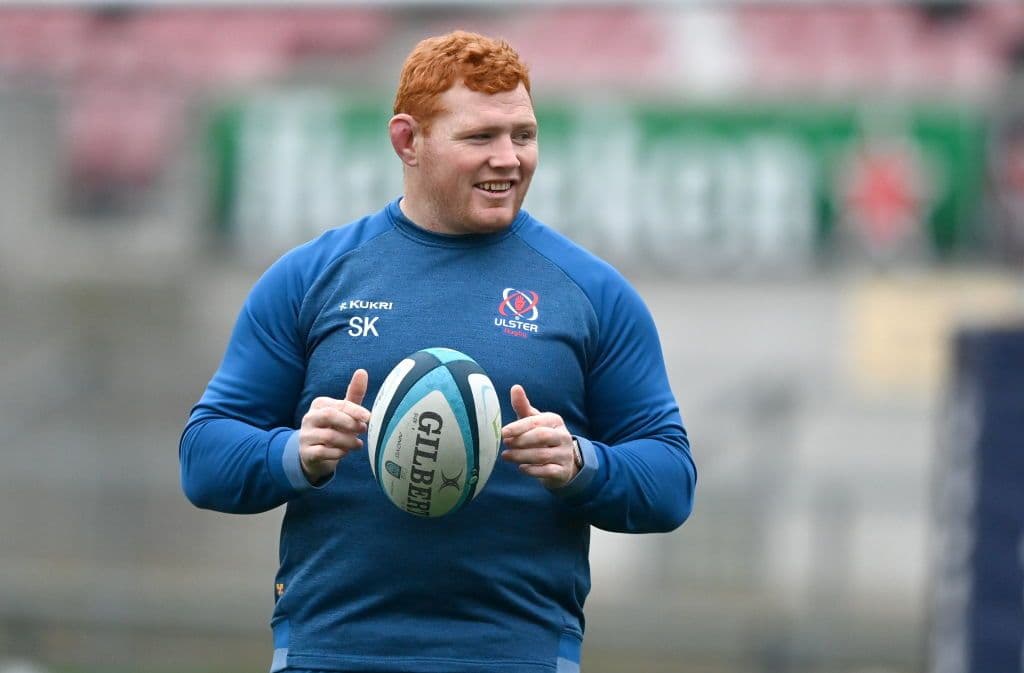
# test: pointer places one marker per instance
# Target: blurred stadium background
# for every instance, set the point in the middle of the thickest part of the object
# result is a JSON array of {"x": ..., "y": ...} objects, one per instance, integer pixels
[{"x": 814, "y": 197}]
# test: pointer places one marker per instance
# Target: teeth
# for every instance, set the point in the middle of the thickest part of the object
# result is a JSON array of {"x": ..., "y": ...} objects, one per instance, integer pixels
[{"x": 495, "y": 186}]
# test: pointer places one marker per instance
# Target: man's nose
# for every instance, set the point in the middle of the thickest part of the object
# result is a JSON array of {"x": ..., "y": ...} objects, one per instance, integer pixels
[{"x": 504, "y": 154}]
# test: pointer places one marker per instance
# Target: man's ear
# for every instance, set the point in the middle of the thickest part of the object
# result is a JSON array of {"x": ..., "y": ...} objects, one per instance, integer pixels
[{"x": 404, "y": 130}]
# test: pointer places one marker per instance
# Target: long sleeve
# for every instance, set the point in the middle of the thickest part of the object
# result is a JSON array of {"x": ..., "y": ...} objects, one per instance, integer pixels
[
  {"x": 238, "y": 451},
  {"x": 639, "y": 476}
]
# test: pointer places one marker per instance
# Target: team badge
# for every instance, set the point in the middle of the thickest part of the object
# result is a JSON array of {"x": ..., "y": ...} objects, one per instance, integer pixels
[
  {"x": 518, "y": 304},
  {"x": 517, "y": 312}
]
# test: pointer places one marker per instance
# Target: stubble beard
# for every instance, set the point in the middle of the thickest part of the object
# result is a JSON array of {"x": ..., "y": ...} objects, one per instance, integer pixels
[{"x": 457, "y": 215}]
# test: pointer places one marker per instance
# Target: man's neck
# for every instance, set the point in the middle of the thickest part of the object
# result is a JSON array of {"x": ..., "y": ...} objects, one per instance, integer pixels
[
  {"x": 420, "y": 217},
  {"x": 415, "y": 216}
]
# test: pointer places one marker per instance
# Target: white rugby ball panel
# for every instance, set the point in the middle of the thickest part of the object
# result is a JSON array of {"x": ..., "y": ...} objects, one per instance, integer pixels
[
  {"x": 394, "y": 389},
  {"x": 488, "y": 420},
  {"x": 386, "y": 392}
]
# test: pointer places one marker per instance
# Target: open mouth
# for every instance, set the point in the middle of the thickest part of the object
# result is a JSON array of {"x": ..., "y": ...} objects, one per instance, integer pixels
[{"x": 495, "y": 188}]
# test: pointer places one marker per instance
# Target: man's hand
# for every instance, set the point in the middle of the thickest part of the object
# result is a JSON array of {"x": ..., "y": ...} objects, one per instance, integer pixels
[
  {"x": 331, "y": 427},
  {"x": 539, "y": 443}
]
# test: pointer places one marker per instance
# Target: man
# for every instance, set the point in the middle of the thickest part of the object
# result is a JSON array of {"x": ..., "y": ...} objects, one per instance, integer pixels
[{"x": 593, "y": 433}]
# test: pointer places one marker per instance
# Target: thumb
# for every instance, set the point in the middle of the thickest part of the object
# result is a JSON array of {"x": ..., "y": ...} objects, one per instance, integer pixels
[
  {"x": 357, "y": 387},
  {"x": 521, "y": 403}
]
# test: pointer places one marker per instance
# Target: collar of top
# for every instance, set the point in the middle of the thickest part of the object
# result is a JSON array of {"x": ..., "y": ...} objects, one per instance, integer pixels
[{"x": 413, "y": 230}]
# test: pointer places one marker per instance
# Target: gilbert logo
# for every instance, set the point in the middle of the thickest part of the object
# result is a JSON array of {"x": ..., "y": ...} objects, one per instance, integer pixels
[{"x": 519, "y": 311}]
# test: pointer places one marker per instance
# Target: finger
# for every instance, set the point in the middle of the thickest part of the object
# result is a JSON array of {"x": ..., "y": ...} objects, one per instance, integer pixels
[
  {"x": 335, "y": 419},
  {"x": 540, "y": 456},
  {"x": 521, "y": 403},
  {"x": 360, "y": 414},
  {"x": 323, "y": 404},
  {"x": 538, "y": 438},
  {"x": 524, "y": 425},
  {"x": 332, "y": 439},
  {"x": 349, "y": 420},
  {"x": 548, "y": 472},
  {"x": 324, "y": 454},
  {"x": 324, "y": 408},
  {"x": 357, "y": 387}
]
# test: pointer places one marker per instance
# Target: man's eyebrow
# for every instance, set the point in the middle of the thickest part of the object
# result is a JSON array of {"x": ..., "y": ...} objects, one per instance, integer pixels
[{"x": 500, "y": 127}]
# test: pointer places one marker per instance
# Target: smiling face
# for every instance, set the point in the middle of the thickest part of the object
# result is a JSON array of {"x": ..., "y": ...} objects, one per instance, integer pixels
[{"x": 470, "y": 172}]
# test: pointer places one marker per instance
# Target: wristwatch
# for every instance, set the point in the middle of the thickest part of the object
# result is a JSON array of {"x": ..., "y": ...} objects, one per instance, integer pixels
[{"x": 577, "y": 453}]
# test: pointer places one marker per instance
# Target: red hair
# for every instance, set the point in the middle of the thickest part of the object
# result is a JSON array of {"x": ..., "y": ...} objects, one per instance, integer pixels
[{"x": 483, "y": 64}]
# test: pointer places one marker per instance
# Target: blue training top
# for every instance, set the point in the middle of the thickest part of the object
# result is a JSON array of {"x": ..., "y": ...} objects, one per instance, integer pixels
[{"x": 500, "y": 584}]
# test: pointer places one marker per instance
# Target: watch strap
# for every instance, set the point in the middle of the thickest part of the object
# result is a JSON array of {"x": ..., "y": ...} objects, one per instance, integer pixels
[{"x": 577, "y": 454}]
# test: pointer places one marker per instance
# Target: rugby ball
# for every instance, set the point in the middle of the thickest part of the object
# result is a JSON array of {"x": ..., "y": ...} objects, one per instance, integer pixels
[{"x": 434, "y": 432}]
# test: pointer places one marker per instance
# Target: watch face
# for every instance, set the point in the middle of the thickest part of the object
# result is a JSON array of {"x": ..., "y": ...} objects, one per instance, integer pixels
[{"x": 577, "y": 453}]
